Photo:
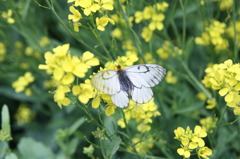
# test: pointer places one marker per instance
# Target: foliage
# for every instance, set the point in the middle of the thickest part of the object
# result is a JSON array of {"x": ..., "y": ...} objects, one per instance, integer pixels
[{"x": 50, "y": 50}]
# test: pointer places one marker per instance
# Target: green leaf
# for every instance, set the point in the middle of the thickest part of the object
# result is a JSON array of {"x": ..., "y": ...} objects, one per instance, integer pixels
[
  {"x": 109, "y": 148},
  {"x": 6, "y": 121},
  {"x": 76, "y": 125},
  {"x": 30, "y": 149},
  {"x": 11, "y": 156}
]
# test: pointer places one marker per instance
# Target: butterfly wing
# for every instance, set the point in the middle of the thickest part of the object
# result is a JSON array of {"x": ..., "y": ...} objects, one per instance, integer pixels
[
  {"x": 143, "y": 77},
  {"x": 120, "y": 99},
  {"x": 106, "y": 82}
]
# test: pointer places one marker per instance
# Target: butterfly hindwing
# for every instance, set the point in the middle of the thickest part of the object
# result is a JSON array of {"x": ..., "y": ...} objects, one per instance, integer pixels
[
  {"x": 142, "y": 95},
  {"x": 106, "y": 82},
  {"x": 120, "y": 99}
]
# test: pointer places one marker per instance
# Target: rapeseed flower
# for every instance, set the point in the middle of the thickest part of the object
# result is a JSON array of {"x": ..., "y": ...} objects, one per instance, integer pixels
[
  {"x": 168, "y": 50},
  {"x": 191, "y": 140},
  {"x": 225, "y": 77},
  {"x": 102, "y": 22},
  {"x": 141, "y": 113},
  {"x": 209, "y": 124},
  {"x": 8, "y": 15},
  {"x": 23, "y": 115},
  {"x": 64, "y": 69},
  {"x": 142, "y": 146},
  {"x": 75, "y": 16},
  {"x": 154, "y": 17},
  {"x": 213, "y": 35},
  {"x": 22, "y": 82}
]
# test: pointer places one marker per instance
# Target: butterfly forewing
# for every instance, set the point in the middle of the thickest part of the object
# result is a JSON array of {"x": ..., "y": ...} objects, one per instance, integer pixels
[
  {"x": 147, "y": 75},
  {"x": 106, "y": 82}
]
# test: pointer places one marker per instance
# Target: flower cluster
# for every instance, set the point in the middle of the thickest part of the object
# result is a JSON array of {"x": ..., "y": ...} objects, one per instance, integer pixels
[
  {"x": 224, "y": 4},
  {"x": 22, "y": 82},
  {"x": 154, "y": 16},
  {"x": 2, "y": 51},
  {"x": 167, "y": 50},
  {"x": 192, "y": 140},
  {"x": 8, "y": 16},
  {"x": 209, "y": 123},
  {"x": 141, "y": 113},
  {"x": 213, "y": 35},
  {"x": 64, "y": 68},
  {"x": 170, "y": 78},
  {"x": 23, "y": 115},
  {"x": 89, "y": 7},
  {"x": 142, "y": 146},
  {"x": 225, "y": 77}
]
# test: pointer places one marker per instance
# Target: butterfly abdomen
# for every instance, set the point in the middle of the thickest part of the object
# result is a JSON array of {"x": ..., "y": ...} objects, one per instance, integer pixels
[{"x": 125, "y": 83}]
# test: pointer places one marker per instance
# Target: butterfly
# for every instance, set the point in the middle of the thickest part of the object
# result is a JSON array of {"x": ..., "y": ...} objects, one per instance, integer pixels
[{"x": 133, "y": 81}]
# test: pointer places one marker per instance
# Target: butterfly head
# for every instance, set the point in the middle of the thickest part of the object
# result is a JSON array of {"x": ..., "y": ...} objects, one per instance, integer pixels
[{"x": 119, "y": 68}]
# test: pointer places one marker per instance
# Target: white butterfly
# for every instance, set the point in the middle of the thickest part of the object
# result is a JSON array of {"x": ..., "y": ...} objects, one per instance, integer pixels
[{"x": 135, "y": 81}]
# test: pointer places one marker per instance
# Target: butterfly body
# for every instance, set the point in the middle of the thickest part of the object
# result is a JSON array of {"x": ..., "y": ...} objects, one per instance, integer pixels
[
  {"x": 125, "y": 83},
  {"x": 134, "y": 81}
]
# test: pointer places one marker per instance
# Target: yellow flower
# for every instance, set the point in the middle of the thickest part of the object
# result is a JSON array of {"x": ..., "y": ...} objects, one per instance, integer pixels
[
  {"x": 23, "y": 115},
  {"x": 64, "y": 67},
  {"x": 117, "y": 33},
  {"x": 76, "y": 26},
  {"x": 156, "y": 23},
  {"x": 88, "y": 6},
  {"x": 142, "y": 113},
  {"x": 44, "y": 41},
  {"x": 214, "y": 34},
  {"x": 226, "y": 4},
  {"x": 201, "y": 96},
  {"x": 146, "y": 34},
  {"x": 106, "y": 4},
  {"x": 209, "y": 123},
  {"x": 75, "y": 16},
  {"x": 22, "y": 82},
  {"x": 170, "y": 78},
  {"x": 149, "y": 58},
  {"x": 211, "y": 103},
  {"x": 8, "y": 15},
  {"x": 110, "y": 110},
  {"x": 96, "y": 102},
  {"x": 84, "y": 91},
  {"x": 184, "y": 152},
  {"x": 142, "y": 146},
  {"x": 204, "y": 152},
  {"x": 102, "y": 22},
  {"x": 190, "y": 140},
  {"x": 225, "y": 78},
  {"x": 168, "y": 50}
]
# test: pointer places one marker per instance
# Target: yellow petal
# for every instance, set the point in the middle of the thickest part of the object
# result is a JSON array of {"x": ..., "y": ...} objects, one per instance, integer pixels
[
  {"x": 96, "y": 102},
  {"x": 224, "y": 91},
  {"x": 76, "y": 90}
]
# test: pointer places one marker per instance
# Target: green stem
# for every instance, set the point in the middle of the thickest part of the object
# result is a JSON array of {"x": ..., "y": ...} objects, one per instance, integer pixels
[
  {"x": 184, "y": 25},
  {"x": 194, "y": 79},
  {"x": 96, "y": 34},
  {"x": 220, "y": 120},
  {"x": 136, "y": 39},
  {"x": 235, "y": 57}
]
